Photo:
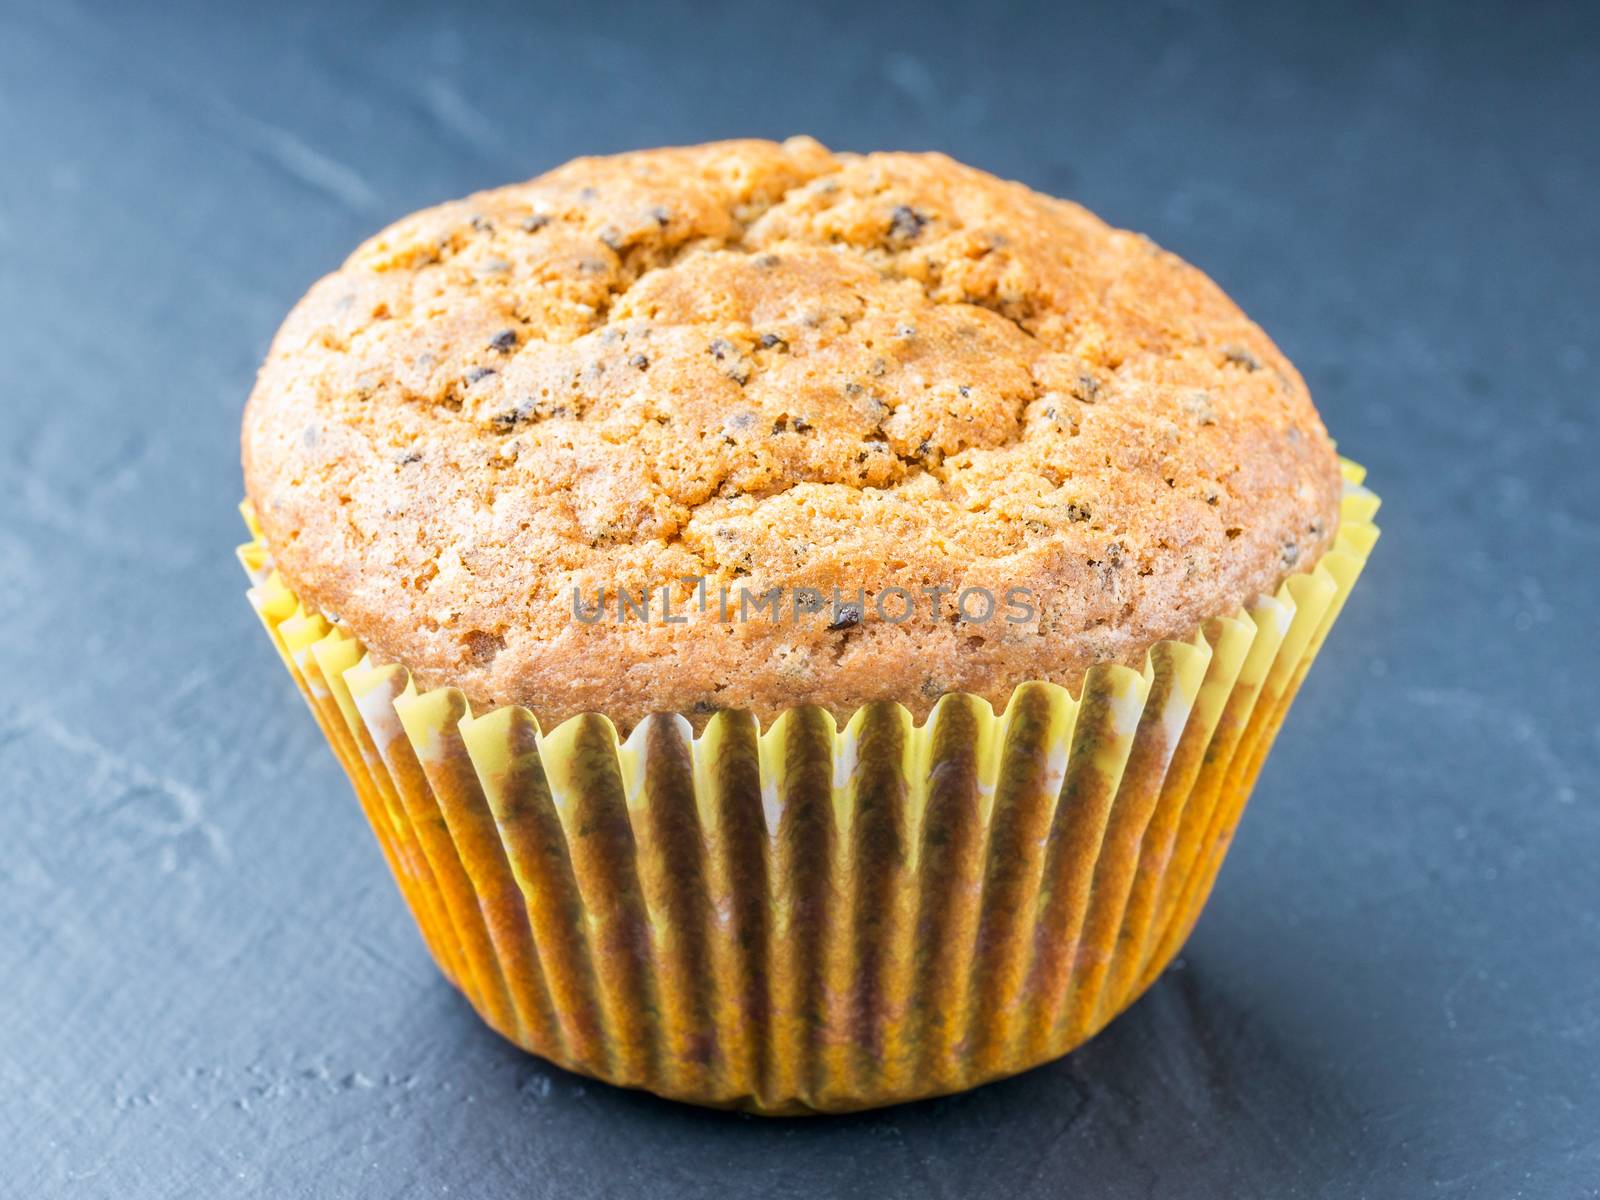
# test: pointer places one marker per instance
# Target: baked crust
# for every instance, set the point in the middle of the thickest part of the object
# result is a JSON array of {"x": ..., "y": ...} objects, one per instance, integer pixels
[{"x": 768, "y": 366}]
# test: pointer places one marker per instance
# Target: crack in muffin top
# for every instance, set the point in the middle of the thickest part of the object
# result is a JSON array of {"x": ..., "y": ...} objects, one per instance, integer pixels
[{"x": 768, "y": 366}]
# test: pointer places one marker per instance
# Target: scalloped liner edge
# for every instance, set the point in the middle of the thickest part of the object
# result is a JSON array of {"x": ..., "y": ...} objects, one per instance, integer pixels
[{"x": 808, "y": 918}]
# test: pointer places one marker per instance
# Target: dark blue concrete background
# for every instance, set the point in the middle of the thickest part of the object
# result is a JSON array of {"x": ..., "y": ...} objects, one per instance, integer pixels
[{"x": 207, "y": 984}]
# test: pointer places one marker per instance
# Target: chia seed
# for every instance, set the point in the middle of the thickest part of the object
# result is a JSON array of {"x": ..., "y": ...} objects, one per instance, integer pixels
[
  {"x": 1239, "y": 356},
  {"x": 846, "y": 616},
  {"x": 906, "y": 223}
]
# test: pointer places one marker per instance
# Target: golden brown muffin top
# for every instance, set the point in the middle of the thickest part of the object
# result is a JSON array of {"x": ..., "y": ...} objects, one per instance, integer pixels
[{"x": 767, "y": 366}]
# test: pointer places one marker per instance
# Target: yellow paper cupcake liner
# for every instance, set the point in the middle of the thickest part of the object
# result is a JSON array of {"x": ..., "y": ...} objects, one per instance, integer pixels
[{"x": 807, "y": 918}]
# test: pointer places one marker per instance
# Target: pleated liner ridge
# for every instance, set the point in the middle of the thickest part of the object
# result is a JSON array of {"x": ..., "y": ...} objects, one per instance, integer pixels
[{"x": 807, "y": 918}]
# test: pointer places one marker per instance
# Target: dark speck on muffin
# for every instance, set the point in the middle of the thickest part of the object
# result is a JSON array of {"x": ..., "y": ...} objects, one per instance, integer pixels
[
  {"x": 906, "y": 223},
  {"x": 1239, "y": 356}
]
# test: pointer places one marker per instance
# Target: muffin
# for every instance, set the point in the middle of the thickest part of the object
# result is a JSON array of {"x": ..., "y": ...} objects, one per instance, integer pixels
[{"x": 802, "y": 626}]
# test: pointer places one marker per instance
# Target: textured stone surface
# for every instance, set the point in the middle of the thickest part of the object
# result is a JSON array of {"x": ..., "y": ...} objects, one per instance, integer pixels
[{"x": 210, "y": 986}]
